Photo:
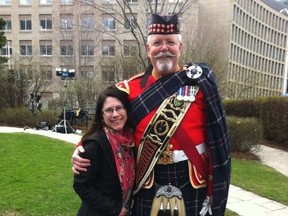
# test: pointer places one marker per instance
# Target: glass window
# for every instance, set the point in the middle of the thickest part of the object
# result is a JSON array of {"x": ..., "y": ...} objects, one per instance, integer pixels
[
  {"x": 66, "y": 48},
  {"x": 108, "y": 73},
  {"x": 130, "y": 23},
  {"x": 130, "y": 50},
  {"x": 46, "y": 2},
  {"x": 5, "y": 2},
  {"x": 6, "y": 50},
  {"x": 66, "y": 22},
  {"x": 87, "y": 1},
  {"x": 45, "y": 23},
  {"x": 25, "y": 24},
  {"x": 66, "y": 1},
  {"x": 47, "y": 71},
  {"x": 109, "y": 23},
  {"x": 108, "y": 50},
  {"x": 26, "y": 50},
  {"x": 8, "y": 25},
  {"x": 88, "y": 22},
  {"x": 25, "y": 2},
  {"x": 109, "y": 1},
  {"x": 45, "y": 49},
  {"x": 87, "y": 71},
  {"x": 87, "y": 50}
]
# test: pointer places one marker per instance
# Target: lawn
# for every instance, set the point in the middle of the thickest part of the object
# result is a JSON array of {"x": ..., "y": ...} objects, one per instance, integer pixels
[{"x": 36, "y": 177}]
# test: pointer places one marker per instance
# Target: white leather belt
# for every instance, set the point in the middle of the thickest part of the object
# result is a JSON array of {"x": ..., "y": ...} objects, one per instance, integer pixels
[
  {"x": 178, "y": 156},
  {"x": 170, "y": 157}
]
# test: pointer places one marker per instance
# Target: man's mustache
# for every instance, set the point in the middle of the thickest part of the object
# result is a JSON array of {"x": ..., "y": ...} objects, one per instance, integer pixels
[{"x": 164, "y": 55}]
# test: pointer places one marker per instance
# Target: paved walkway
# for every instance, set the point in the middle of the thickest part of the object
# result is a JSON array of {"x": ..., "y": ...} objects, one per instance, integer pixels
[{"x": 243, "y": 202}]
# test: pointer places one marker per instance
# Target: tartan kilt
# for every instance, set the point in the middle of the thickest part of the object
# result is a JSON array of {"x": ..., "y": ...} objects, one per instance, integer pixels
[{"x": 177, "y": 175}]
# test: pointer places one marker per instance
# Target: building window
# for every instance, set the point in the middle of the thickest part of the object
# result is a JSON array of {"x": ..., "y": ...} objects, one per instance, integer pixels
[
  {"x": 87, "y": 71},
  {"x": 87, "y": 1},
  {"x": 47, "y": 71},
  {"x": 66, "y": 48},
  {"x": 109, "y": 1},
  {"x": 66, "y": 1},
  {"x": 108, "y": 73},
  {"x": 7, "y": 26},
  {"x": 6, "y": 50},
  {"x": 5, "y": 2},
  {"x": 25, "y": 2},
  {"x": 46, "y": 2},
  {"x": 25, "y": 48},
  {"x": 130, "y": 23},
  {"x": 87, "y": 49},
  {"x": 132, "y": 1},
  {"x": 109, "y": 23},
  {"x": 88, "y": 22},
  {"x": 45, "y": 22},
  {"x": 45, "y": 48},
  {"x": 25, "y": 24},
  {"x": 130, "y": 49},
  {"x": 108, "y": 50},
  {"x": 66, "y": 22}
]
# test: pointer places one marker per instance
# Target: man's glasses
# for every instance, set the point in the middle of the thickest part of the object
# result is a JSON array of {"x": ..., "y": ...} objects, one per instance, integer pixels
[{"x": 109, "y": 111}]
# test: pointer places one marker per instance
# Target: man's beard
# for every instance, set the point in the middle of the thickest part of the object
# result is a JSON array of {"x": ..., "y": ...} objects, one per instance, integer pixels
[{"x": 164, "y": 65}]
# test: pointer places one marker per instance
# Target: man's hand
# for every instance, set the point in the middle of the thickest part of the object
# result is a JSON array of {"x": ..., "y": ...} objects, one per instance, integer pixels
[
  {"x": 79, "y": 164},
  {"x": 206, "y": 206}
]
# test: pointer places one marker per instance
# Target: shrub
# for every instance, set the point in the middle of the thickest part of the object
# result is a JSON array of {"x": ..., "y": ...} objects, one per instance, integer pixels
[
  {"x": 17, "y": 117},
  {"x": 21, "y": 117},
  {"x": 274, "y": 117},
  {"x": 242, "y": 108},
  {"x": 245, "y": 133}
]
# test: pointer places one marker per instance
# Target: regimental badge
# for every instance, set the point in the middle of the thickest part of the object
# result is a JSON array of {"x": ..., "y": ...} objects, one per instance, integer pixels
[{"x": 194, "y": 71}]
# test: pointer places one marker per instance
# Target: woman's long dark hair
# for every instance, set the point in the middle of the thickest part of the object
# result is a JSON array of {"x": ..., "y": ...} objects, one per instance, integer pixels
[{"x": 111, "y": 91}]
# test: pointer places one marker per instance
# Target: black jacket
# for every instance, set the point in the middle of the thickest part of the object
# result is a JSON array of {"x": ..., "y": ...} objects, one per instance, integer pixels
[{"x": 99, "y": 187}]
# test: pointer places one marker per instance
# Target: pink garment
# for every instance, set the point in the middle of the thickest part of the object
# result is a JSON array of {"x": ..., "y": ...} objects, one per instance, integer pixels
[{"x": 123, "y": 145}]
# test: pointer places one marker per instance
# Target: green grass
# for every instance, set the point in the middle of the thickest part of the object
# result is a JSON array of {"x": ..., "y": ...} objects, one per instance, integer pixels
[
  {"x": 260, "y": 179},
  {"x": 36, "y": 177}
]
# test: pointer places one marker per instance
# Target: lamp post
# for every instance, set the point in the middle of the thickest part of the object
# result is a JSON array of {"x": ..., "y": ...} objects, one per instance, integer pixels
[
  {"x": 8, "y": 53},
  {"x": 65, "y": 74}
]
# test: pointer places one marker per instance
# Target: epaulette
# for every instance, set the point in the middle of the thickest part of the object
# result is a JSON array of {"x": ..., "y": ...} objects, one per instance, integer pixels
[
  {"x": 136, "y": 76},
  {"x": 124, "y": 86}
]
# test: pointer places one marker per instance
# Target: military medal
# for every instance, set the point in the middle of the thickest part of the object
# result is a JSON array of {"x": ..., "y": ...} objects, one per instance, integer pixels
[
  {"x": 187, "y": 93},
  {"x": 179, "y": 96}
]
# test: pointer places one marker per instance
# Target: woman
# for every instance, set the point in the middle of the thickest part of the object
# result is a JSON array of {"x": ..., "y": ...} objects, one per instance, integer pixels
[{"x": 106, "y": 187}]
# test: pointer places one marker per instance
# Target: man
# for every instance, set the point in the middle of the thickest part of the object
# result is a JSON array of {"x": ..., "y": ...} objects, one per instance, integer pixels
[{"x": 183, "y": 159}]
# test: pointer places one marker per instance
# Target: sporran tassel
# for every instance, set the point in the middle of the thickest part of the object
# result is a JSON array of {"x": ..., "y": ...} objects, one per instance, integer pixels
[
  {"x": 168, "y": 210},
  {"x": 175, "y": 212},
  {"x": 161, "y": 210}
]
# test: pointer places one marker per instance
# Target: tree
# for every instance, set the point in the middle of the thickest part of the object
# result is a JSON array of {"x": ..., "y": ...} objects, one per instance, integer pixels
[
  {"x": 123, "y": 12},
  {"x": 3, "y": 40}
]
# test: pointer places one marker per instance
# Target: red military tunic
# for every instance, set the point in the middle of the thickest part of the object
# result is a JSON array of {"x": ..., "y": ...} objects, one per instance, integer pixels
[{"x": 193, "y": 123}]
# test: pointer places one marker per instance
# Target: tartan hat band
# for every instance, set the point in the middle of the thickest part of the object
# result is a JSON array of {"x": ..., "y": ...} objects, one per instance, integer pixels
[{"x": 163, "y": 24}]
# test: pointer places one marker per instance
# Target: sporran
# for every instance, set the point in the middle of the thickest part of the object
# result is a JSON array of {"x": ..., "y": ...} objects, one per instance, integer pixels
[{"x": 168, "y": 201}]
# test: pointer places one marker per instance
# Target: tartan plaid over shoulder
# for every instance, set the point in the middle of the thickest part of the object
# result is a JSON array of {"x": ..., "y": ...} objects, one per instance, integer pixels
[{"x": 217, "y": 140}]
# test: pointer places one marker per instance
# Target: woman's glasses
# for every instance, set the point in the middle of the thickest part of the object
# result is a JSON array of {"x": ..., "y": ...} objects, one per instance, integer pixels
[{"x": 110, "y": 110}]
